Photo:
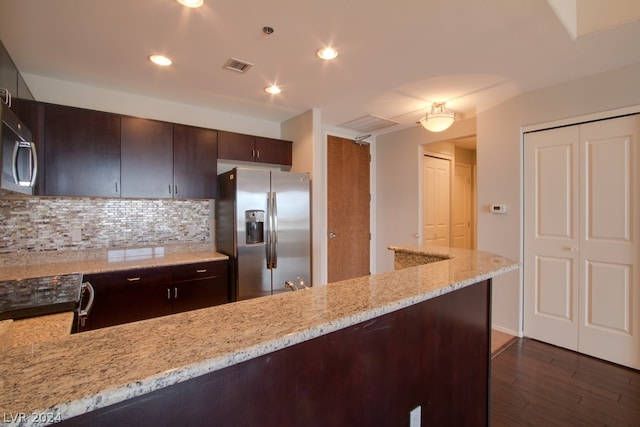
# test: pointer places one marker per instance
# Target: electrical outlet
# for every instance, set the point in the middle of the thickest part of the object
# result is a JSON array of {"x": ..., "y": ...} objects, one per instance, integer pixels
[
  {"x": 414, "y": 417},
  {"x": 76, "y": 234}
]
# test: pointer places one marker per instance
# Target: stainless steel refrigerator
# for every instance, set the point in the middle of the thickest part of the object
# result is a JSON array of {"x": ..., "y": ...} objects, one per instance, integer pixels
[{"x": 263, "y": 225}]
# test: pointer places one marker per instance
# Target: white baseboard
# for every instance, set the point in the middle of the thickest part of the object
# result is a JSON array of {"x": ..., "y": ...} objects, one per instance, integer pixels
[{"x": 506, "y": 331}]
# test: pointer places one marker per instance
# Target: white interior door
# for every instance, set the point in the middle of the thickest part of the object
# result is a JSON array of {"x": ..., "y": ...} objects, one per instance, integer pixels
[
  {"x": 551, "y": 236},
  {"x": 609, "y": 293},
  {"x": 461, "y": 214},
  {"x": 436, "y": 201},
  {"x": 582, "y": 232}
]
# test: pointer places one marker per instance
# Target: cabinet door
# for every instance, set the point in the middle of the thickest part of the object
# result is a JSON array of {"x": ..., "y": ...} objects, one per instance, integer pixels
[
  {"x": 275, "y": 151},
  {"x": 195, "y": 162},
  {"x": 147, "y": 158},
  {"x": 32, "y": 115},
  {"x": 236, "y": 146},
  {"x": 8, "y": 72},
  {"x": 199, "y": 293},
  {"x": 199, "y": 285},
  {"x": 128, "y": 296},
  {"x": 82, "y": 152}
]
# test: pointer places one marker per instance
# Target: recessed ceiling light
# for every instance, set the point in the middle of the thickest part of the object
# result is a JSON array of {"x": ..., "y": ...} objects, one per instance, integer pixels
[
  {"x": 191, "y": 3},
  {"x": 160, "y": 60},
  {"x": 327, "y": 53},
  {"x": 273, "y": 89}
]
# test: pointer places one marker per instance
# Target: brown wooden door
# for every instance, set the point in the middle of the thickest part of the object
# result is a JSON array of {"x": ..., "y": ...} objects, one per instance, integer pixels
[{"x": 348, "y": 204}]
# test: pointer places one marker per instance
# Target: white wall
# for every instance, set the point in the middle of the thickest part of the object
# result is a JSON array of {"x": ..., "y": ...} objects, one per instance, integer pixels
[
  {"x": 63, "y": 92},
  {"x": 500, "y": 165},
  {"x": 398, "y": 164},
  {"x": 305, "y": 131}
]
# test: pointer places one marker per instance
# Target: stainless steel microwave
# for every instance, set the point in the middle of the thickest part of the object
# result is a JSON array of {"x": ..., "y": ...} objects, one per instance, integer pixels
[{"x": 18, "y": 155}]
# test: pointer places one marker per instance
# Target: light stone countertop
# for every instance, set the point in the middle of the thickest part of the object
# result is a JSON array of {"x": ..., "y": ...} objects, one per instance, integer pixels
[
  {"x": 94, "y": 369},
  {"x": 24, "y": 332},
  {"x": 42, "y": 264}
]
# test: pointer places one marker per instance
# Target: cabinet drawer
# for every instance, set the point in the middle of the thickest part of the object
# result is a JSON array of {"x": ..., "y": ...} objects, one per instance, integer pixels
[
  {"x": 198, "y": 270},
  {"x": 142, "y": 276}
]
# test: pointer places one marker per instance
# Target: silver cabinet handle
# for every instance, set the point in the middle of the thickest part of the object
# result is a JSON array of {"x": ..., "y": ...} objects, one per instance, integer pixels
[
  {"x": 332, "y": 235},
  {"x": 6, "y": 95},
  {"x": 204, "y": 270},
  {"x": 83, "y": 313},
  {"x": 133, "y": 279},
  {"x": 175, "y": 293},
  {"x": 86, "y": 286},
  {"x": 168, "y": 293}
]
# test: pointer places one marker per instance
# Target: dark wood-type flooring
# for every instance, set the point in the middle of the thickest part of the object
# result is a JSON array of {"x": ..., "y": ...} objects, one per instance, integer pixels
[{"x": 537, "y": 384}]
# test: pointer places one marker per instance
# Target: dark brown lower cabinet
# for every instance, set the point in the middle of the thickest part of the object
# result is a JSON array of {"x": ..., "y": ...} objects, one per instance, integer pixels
[
  {"x": 198, "y": 286},
  {"x": 138, "y": 294},
  {"x": 434, "y": 355}
]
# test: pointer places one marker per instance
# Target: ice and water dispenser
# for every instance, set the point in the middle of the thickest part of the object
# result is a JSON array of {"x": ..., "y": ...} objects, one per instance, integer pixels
[{"x": 254, "y": 221}]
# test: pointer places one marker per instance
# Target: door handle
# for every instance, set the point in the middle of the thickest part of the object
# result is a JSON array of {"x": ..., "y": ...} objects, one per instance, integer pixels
[
  {"x": 332, "y": 235},
  {"x": 83, "y": 313}
]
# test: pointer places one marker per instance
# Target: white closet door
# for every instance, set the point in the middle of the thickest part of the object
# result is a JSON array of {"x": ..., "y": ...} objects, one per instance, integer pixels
[
  {"x": 582, "y": 237},
  {"x": 551, "y": 236},
  {"x": 436, "y": 182},
  {"x": 609, "y": 240},
  {"x": 461, "y": 213}
]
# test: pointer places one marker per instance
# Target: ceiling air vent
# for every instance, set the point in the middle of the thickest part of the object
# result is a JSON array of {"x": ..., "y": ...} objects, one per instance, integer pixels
[
  {"x": 368, "y": 123},
  {"x": 238, "y": 65}
]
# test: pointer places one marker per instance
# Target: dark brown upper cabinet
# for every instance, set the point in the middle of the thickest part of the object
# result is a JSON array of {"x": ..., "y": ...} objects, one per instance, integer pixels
[
  {"x": 82, "y": 152},
  {"x": 248, "y": 148},
  {"x": 96, "y": 154},
  {"x": 276, "y": 151},
  {"x": 8, "y": 73},
  {"x": 195, "y": 165},
  {"x": 12, "y": 81},
  {"x": 146, "y": 166}
]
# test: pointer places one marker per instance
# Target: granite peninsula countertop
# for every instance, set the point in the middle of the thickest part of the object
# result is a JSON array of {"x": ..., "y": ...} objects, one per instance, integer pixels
[{"x": 94, "y": 369}]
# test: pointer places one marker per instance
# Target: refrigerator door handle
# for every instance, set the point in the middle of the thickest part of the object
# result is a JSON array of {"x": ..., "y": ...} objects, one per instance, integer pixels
[
  {"x": 268, "y": 243},
  {"x": 274, "y": 216}
]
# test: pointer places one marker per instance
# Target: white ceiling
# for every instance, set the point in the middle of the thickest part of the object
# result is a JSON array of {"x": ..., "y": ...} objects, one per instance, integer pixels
[{"x": 396, "y": 56}]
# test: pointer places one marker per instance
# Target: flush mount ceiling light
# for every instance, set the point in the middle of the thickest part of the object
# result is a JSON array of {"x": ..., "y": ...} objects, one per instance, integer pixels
[
  {"x": 191, "y": 3},
  {"x": 161, "y": 60},
  {"x": 327, "y": 53},
  {"x": 438, "y": 119},
  {"x": 273, "y": 89}
]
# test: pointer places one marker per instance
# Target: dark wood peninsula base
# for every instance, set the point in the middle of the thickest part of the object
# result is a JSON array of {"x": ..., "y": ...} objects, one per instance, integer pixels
[{"x": 434, "y": 354}]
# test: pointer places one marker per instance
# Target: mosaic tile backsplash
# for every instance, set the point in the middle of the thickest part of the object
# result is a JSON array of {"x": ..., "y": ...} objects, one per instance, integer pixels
[{"x": 36, "y": 224}]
